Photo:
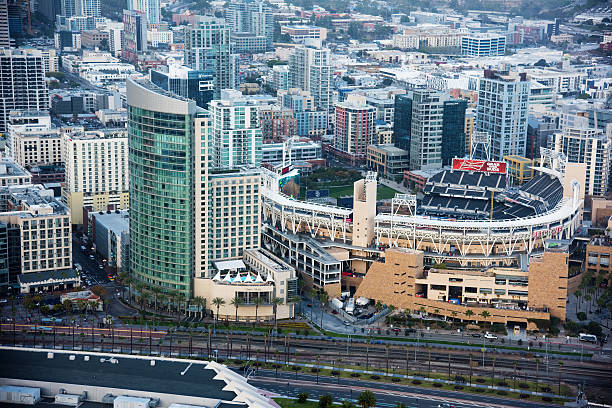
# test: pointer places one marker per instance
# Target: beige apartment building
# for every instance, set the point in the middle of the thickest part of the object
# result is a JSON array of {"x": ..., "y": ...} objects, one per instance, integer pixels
[
  {"x": 428, "y": 36},
  {"x": 43, "y": 224},
  {"x": 32, "y": 139},
  {"x": 96, "y": 171}
]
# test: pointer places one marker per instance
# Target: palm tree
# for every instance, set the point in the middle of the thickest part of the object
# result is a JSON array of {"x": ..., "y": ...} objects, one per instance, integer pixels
[
  {"x": 237, "y": 302},
  {"x": 366, "y": 399},
  {"x": 323, "y": 298},
  {"x": 454, "y": 314},
  {"x": 218, "y": 302},
  {"x": 293, "y": 300},
  {"x": 156, "y": 291},
  {"x": 139, "y": 286},
  {"x": 200, "y": 302},
  {"x": 258, "y": 301},
  {"x": 588, "y": 299},
  {"x": 485, "y": 314},
  {"x": 82, "y": 305},
  {"x": 276, "y": 302},
  {"x": 578, "y": 294},
  {"x": 313, "y": 294},
  {"x": 469, "y": 313},
  {"x": 422, "y": 311}
]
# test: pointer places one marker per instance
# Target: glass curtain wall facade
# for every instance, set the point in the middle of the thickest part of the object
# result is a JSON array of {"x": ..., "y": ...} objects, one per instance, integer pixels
[
  {"x": 160, "y": 169},
  {"x": 453, "y": 130}
]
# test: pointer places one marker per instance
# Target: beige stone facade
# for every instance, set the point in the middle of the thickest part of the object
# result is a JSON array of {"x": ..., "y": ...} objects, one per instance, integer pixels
[
  {"x": 507, "y": 295},
  {"x": 44, "y": 227},
  {"x": 274, "y": 279},
  {"x": 97, "y": 176}
]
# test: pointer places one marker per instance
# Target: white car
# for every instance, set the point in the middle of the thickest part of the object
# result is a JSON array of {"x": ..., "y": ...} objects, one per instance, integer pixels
[{"x": 490, "y": 336}]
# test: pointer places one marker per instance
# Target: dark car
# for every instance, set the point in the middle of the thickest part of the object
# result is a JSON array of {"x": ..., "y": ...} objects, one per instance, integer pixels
[{"x": 475, "y": 334}]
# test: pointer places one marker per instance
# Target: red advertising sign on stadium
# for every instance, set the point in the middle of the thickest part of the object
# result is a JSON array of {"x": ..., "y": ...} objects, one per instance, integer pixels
[{"x": 479, "y": 165}]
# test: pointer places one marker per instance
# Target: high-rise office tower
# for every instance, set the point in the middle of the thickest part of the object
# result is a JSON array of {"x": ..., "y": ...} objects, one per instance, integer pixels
[
  {"x": 22, "y": 83},
  {"x": 402, "y": 122},
  {"x": 236, "y": 135},
  {"x": 4, "y": 257},
  {"x": 85, "y": 8},
  {"x": 151, "y": 8},
  {"x": 582, "y": 143},
  {"x": 453, "y": 130},
  {"x": 354, "y": 128},
  {"x": 208, "y": 48},
  {"x": 430, "y": 126},
  {"x": 310, "y": 70},
  {"x": 310, "y": 121},
  {"x": 5, "y": 39},
  {"x": 88, "y": 8},
  {"x": 252, "y": 18},
  {"x": 134, "y": 34},
  {"x": 503, "y": 104},
  {"x": 184, "y": 81}
]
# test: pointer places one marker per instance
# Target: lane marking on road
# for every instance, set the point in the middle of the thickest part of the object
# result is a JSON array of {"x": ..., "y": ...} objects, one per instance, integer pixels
[{"x": 388, "y": 392}]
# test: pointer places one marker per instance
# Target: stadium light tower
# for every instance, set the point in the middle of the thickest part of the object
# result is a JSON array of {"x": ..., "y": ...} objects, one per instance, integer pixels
[
  {"x": 482, "y": 140},
  {"x": 287, "y": 150}
]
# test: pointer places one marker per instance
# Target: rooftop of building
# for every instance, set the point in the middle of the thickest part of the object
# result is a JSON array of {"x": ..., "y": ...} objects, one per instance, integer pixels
[
  {"x": 301, "y": 27},
  {"x": 485, "y": 36},
  {"x": 117, "y": 221},
  {"x": 9, "y": 168},
  {"x": 56, "y": 274},
  {"x": 601, "y": 241},
  {"x": 203, "y": 379},
  {"x": 35, "y": 200},
  {"x": 389, "y": 149},
  {"x": 101, "y": 134},
  {"x": 234, "y": 172},
  {"x": 299, "y": 144},
  {"x": 557, "y": 245},
  {"x": 518, "y": 159}
]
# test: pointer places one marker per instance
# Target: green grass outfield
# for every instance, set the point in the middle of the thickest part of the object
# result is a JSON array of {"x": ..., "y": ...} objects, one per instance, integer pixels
[{"x": 382, "y": 193}]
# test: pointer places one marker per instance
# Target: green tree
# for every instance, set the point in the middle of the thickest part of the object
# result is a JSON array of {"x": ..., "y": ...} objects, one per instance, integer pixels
[
  {"x": 237, "y": 302},
  {"x": 218, "y": 302},
  {"x": 326, "y": 401},
  {"x": 200, "y": 302},
  {"x": 276, "y": 302},
  {"x": 302, "y": 397},
  {"x": 258, "y": 301},
  {"x": 485, "y": 314},
  {"x": 469, "y": 313},
  {"x": 366, "y": 399}
]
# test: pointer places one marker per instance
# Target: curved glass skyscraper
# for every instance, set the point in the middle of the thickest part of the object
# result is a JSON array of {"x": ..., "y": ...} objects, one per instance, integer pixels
[{"x": 161, "y": 135}]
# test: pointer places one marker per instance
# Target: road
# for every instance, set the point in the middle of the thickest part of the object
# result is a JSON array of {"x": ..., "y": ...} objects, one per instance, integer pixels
[{"x": 386, "y": 394}]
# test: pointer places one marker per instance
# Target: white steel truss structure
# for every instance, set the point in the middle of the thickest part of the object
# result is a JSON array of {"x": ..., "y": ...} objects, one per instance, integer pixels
[{"x": 481, "y": 241}]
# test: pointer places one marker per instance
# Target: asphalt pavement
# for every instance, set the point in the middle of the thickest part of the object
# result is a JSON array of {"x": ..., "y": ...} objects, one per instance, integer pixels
[{"x": 387, "y": 395}]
